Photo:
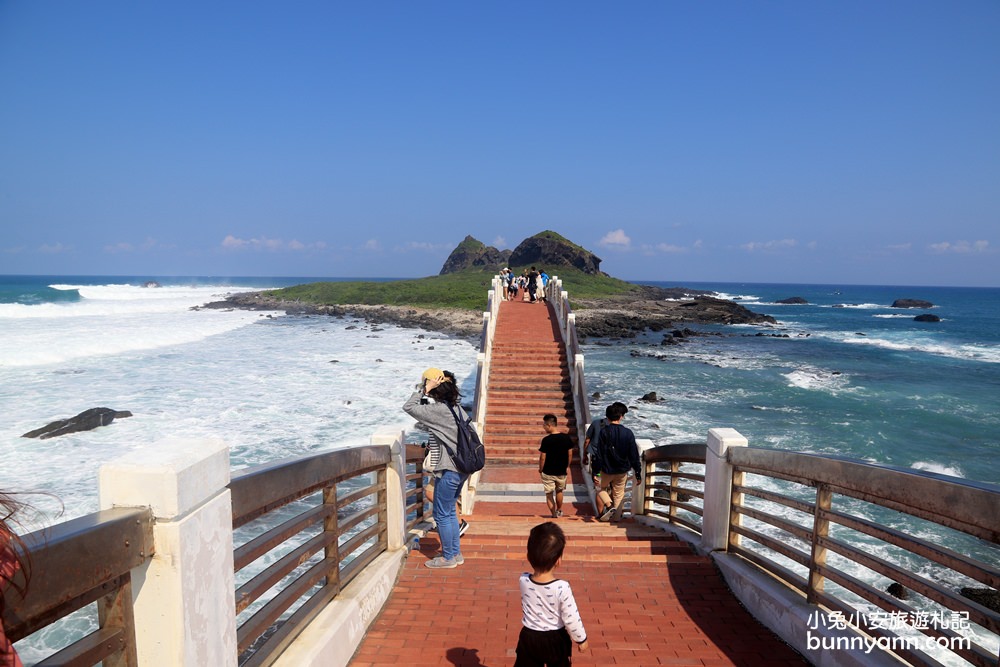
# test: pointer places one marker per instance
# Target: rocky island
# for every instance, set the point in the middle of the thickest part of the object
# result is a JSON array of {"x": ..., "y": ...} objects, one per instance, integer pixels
[{"x": 605, "y": 307}]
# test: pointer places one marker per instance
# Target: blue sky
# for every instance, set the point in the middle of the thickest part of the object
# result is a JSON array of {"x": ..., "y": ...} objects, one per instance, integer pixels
[{"x": 828, "y": 142}]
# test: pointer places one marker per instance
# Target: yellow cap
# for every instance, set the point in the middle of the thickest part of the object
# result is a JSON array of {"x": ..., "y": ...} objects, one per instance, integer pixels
[{"x": 434, "y": 374}]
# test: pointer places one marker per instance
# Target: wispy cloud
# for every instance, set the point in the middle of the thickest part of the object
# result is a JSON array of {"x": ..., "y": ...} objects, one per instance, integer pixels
[
  {"x": 616, "y": 239},
  {"x": 960, "y": 247},
  {"x": 272, "y": 245},
  {"x": 16, "y": 250},
  {"x": 770, "y": 246},
  {"x": 54, "y": 248},
  {"x": 901, "y": 247},
  {"x": 372, "y": 245},
  {"x": 420, "y": 246},
  {"x": 663, "y": 248},
  {"x": 499, "y": 242},
  {"x": 124, "y": 246}
]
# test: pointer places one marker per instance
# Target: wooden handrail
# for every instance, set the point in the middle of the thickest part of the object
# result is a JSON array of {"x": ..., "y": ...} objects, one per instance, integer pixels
[{"x": 74, "y": 564}]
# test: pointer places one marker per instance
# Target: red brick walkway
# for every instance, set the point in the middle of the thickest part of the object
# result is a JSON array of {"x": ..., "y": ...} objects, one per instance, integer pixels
[{"x": 645, "y": 597}]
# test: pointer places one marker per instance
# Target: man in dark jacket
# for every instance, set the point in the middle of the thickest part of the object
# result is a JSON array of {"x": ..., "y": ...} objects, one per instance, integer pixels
[{"x": 613, "y": 452}]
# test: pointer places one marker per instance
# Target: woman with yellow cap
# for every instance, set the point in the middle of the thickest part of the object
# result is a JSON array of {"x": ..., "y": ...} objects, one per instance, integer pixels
[{"x": 438, "y": 417}]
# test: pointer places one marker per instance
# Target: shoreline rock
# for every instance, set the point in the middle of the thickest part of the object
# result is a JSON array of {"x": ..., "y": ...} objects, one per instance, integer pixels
[{"x": 619, "y": 316}]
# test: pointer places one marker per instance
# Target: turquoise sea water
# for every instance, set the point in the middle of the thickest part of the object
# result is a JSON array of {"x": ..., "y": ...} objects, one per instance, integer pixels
[{"x": 854, "y": 377}]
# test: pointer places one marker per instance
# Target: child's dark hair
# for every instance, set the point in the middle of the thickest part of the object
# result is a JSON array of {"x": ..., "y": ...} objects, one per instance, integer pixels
[
  {"x": 550, "y": 419},
  {"x": 545, "y": 546}
]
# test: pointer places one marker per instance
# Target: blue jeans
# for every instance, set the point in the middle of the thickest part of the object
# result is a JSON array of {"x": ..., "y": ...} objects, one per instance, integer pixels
[{"x": 446, "y": 490}]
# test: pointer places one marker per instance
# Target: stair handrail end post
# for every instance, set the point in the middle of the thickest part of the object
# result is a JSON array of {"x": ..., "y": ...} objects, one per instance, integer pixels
[{"x": 718, "y": 487}]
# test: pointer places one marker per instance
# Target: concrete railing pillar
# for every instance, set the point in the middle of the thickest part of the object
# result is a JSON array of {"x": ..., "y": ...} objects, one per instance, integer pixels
[
  {"x": 395, "y": 486},
  {"x": 718, "y": 487},
  {"x": 184, "y": 606}
]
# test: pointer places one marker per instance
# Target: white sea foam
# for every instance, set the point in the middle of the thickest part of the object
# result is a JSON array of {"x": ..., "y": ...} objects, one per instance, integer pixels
[
  {"x": 893, "y": 316},
  {"x": 861, "y": 306},
  {"x": 984, "y": 353},
  {"x": 941, "y": 469},
  {"x": 817, "y": 379},
  {"x": 737, "y": 297},
  {"x": 271, "y": 388}
]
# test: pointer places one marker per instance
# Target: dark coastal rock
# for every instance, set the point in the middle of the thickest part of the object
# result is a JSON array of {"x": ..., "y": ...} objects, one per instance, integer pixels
[
  {"x": 650, "y": 397},
  {"x": 85, "y": 421},
  {"x": 898, "y": 591},
  {"x": 474, "y": 254},
  {"x": 987, "y": 597},
  {"x": 549, "y": 250},
  {"x": 926, "y": 317},
  {"x": 912, "y": 303},
  {"x": 793, "y": 300}
]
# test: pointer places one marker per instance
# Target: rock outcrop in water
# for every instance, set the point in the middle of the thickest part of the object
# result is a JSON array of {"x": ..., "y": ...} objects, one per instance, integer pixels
[
  {"x": 85, "y": 421},
  {"x": 912, "y": 303},
  {"x": 793, "y": 301},
  {"x": 927, "y": 317}
]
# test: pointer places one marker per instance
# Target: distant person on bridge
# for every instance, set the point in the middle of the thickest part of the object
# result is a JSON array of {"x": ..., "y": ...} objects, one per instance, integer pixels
[
  {"x": 549, "y": 616},
  {"x": 613, "y": 453},
  {"x": 443, "y": 439},
  {"x": 553, "y": 463}
]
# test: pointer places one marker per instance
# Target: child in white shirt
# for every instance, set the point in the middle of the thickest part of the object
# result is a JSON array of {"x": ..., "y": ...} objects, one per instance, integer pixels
[{"x": 549, "y": 614}]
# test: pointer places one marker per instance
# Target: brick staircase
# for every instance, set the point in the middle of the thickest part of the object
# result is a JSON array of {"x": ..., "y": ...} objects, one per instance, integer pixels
[
  {"x": 529, "y": 376},
  {"x": 646, "y": 598}
]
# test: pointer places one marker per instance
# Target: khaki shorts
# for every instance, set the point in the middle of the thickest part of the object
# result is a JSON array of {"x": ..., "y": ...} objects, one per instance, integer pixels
[{"x": 552, "y": 483}]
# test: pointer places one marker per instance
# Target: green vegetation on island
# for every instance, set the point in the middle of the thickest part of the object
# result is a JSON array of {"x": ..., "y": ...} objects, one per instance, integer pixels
[
  {"x": 466, "y": 276},
  {"x": 464, "y": 289}
]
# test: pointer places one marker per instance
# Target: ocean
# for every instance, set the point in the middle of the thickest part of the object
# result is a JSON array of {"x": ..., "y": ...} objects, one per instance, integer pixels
[
  {"x": 853, "y": 377},
  {"x": 844, "y": 374}
]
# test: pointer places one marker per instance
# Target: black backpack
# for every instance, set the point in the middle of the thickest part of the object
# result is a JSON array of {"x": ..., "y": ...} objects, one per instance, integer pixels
[{"x": 470, "y": 455}]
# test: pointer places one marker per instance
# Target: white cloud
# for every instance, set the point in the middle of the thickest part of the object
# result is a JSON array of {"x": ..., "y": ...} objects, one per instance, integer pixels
[
  {"x": 372, "y": 245},
  {"x": 119, "y": 247},
  {"x": 273, "y": 245},
  {"x": 769, "y": 246},
  {"x": 665, "y": 248},
  {"x": 54, "y": 249},
  {"x": 960, "y": 247},
  {"x": 499, "y": 242},
  {"x": 616, "y": 239},
  {"x": 901, "y": 247},
  {"x": 421, "y": 246}
]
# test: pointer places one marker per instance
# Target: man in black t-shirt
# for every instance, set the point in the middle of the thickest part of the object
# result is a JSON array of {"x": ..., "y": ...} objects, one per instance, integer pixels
[{"x": 553, "y": 463}]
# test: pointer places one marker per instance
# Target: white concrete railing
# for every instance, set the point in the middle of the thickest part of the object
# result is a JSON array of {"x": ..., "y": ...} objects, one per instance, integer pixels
[
  {"x": 183, "y": 595},
  {"x": 559, "y": 299},
  {"x": 809, "y": 543},
  {"x": 484, "y": 360}
]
